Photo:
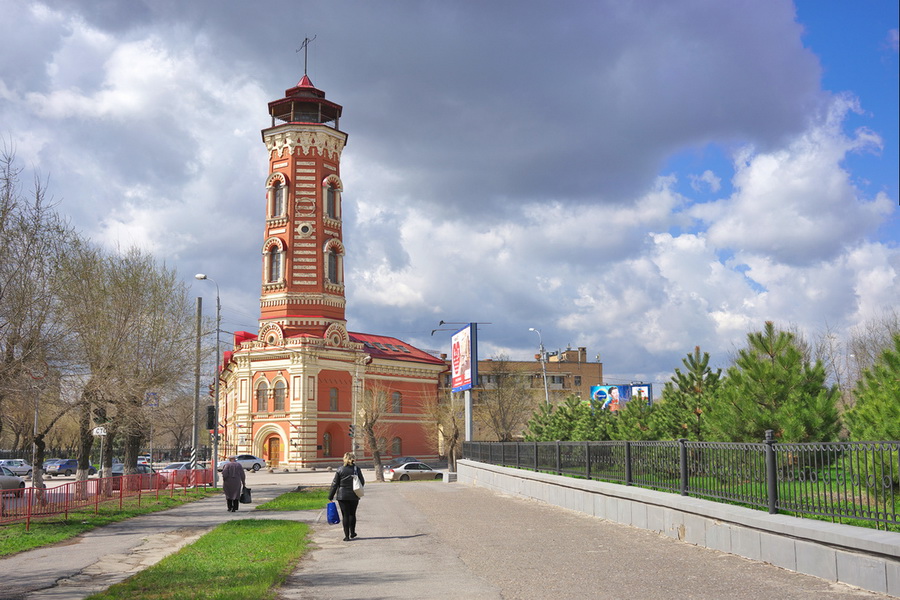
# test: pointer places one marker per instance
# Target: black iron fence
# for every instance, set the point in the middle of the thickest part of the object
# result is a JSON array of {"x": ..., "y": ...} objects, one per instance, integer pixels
[{"x": 846, "y": 482}]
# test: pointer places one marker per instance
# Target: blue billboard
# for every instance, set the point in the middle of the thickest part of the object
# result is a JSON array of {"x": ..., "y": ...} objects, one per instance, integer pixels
[{"x": 614, "y": 397}]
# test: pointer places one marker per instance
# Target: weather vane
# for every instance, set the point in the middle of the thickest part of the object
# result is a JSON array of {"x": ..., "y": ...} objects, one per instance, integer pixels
[{"x": 305, "y": 47}]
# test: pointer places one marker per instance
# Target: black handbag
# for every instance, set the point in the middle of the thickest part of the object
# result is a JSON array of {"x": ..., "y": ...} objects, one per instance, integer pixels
[{"x": 245, "y": 496}]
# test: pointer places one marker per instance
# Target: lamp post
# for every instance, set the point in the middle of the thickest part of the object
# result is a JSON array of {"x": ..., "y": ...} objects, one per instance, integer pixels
[
  {"x": 215, "y": 440},
  {"x": 543, "y": 363}
]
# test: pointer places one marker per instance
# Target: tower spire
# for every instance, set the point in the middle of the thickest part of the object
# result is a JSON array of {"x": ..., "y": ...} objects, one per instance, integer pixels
[{"x": 305, "y": 47}]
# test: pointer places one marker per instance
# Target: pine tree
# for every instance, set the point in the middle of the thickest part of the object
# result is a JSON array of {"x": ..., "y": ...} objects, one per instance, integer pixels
[
  {"x": 771, "y": 386},
  {"x": 876, "y": 414},
  {"x": 686, "y": 400}
]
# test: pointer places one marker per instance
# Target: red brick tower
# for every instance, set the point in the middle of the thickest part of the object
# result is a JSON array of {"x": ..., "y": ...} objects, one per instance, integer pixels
[{"x": 303, "y": 251}]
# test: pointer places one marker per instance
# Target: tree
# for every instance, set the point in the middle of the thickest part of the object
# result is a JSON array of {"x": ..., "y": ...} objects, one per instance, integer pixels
[
  {"x": 506, "y": 399},
  {"x": 32, "y": 239},
  {"x": 686, "y": 399},
  {"x": 633, "y": 422},
  {"x": 444, "y": 422},
  {"x": 770, "y": 386},
  {"x": 571, "y": 420},
  {"x": 129, "y": 317},
  {"x": 374, "y": 431},
  {"x": 876, "y": 414}
]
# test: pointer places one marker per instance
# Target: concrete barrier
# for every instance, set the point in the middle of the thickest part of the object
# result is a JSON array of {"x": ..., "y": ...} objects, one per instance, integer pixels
[{"x": 858, "y": 556}]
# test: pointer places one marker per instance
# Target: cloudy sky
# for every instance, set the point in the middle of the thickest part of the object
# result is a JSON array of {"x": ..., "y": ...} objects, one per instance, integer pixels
[{"x": 637, "y": 178}]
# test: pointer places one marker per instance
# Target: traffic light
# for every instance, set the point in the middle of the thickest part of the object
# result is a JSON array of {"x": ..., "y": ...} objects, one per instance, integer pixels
[
  {"x": 210, "y": 417},
  {"x": 352, "y": 430}
]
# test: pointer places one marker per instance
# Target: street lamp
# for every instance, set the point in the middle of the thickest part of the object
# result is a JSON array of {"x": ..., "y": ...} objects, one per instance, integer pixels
[
  {"x": 543, "y": 363},
  {"x": 215, "y": 460}
]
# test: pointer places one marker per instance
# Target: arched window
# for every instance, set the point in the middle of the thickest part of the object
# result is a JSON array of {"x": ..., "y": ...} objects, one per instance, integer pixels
[
  {"x": 333, "y": 399},
  {"x": 326, "y": 444},
  {"x": 280, "y": 388},
  {"x": 331, "y": 201},
  {"x": 262, "y": 396},
  {"x": 396, "y": 402},
  {"x": 273, "y": 257},
  {"x": 278, "y": 194},
  {"x": 396, "y": 447},
  {"x": 333, "y": 264}
]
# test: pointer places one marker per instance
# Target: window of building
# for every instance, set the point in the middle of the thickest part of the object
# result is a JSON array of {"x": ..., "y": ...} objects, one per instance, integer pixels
[
  {"x": 333, "y": 399},
  {"x": 557, "y": 379},
  {"x": 278, "y": 194},
  {"x": 262, "y": 396},
  {"x": 331, "y": 194},
  {"x": 274, "y": 260},
  {"x": 396, "y": 402},
  {"x": 333, "y": 265},
  {"x": 326, "y": 444},
  {"x": 397, "y": 447},
  {"x": 577, "y": 380},
  {"x": 280, "y": 389}
]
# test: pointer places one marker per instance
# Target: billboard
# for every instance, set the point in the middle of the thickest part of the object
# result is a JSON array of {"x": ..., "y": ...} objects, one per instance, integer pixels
[
  {"x": 464, "y": 358},
  {"x": 614, "y": 397}
]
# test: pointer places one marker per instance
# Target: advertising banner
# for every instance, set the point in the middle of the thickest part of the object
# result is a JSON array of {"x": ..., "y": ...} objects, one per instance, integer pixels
[
  {"x": 464, "y": 359},
  {"x": 614, "y": 397}
]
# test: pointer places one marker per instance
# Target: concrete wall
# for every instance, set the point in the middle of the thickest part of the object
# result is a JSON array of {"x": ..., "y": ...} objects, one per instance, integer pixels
[{"x": 857, "y": 556}]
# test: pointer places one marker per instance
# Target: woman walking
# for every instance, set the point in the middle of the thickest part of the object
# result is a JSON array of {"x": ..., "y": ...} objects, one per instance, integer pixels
[
  {"x": 342, "y": 486},
  {"x": 233, "y": 480}
]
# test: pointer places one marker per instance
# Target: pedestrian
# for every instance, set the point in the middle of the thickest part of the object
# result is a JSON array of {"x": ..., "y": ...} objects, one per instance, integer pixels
[
  {"x": 233, "y": 480},
  {"x": 342, "y": 486}
]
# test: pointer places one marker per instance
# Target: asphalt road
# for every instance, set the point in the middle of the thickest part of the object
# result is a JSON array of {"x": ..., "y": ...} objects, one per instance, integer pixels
[{"x": 427, "y": 540}]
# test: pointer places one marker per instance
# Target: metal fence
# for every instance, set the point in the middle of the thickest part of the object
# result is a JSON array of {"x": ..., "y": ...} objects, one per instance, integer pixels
[
  {"x": 25, "y": 504},
  {"x": 846, "y": 482}
]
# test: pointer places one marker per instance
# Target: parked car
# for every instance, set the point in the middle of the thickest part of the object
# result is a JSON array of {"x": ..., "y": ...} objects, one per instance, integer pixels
[
  {"x": 144, "y": 459},
  {"x": 248, "y": 461},
  {"x": 412, "y": 470},
  {"x": 10, "y": 483},
  {"x": 49, "y": 462},
  {"x": 177, "y": 473},
  {"x": 17, "y": 466},
  {"x": 399, "y": 461},
  {"x": 150, "y": 479},
  {"x": 66, "y": 467}
]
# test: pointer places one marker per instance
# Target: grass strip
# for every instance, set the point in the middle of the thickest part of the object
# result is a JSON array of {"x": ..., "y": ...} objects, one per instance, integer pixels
[
  {"x": 306, "y": 499},
  {"x": 49, "y": 530},
  {"x": 238, "y": 560}
]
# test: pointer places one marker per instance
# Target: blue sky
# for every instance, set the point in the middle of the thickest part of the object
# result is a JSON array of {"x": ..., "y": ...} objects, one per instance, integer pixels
[{"x": 636, "y": 178}]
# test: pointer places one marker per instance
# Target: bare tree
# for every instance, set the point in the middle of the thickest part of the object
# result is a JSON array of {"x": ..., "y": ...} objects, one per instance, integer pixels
[
  {"x": 370, "y": 410},
  {"x": 444, "y": 423},
  {"x": 506, "y": 400}
]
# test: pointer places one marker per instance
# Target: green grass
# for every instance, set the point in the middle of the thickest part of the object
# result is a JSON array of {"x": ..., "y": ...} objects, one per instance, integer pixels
[
  {"x": 239, "y": 560},
  {"x": 49, "y": 530},
  {"x": 307, "y": 499}
]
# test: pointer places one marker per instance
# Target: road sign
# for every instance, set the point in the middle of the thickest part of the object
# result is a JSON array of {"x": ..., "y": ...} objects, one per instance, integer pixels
[
  {"x": 99, "y": 431},
  {"x": 151, "y": 399}
]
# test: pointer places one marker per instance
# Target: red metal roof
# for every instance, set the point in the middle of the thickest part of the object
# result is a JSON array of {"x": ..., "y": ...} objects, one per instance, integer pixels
[{"x": 382, "y": 346}]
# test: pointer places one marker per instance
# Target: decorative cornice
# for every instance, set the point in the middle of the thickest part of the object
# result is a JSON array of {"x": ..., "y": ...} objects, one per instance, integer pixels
[{"x": 297, "y": 139}]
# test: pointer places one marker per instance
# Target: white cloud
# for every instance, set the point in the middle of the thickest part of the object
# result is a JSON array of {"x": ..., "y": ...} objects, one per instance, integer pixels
[{"x": 707, "y": 179}]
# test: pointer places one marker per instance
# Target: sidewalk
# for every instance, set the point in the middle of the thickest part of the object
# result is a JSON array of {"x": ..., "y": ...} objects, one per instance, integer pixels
[{"x": 421, "y": 540}]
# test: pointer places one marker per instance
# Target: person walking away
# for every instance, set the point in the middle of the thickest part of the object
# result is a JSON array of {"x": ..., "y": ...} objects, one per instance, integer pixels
[
  {"x": 342, "y": 487},
  {"x": 233, "y": 480}
]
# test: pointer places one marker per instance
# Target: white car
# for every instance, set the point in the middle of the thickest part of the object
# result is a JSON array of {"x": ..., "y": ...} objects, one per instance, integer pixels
[
  {"x": 413, "y": 470},
  {"x": 17, "y": 466},
  {"x": 248, "y": 461}
]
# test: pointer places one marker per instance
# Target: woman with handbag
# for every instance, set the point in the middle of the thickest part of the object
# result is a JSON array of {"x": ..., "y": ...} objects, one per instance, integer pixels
[
  {"x": 343, "y": 487},
  {"x": 233, "y": 482}
]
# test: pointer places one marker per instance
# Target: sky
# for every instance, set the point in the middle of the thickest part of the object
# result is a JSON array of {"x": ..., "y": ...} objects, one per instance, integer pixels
[{"x": 637, "y": 178}]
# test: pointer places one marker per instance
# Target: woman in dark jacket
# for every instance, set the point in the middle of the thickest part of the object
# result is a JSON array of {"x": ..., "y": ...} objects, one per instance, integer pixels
[{"x": 347, "y": 499}]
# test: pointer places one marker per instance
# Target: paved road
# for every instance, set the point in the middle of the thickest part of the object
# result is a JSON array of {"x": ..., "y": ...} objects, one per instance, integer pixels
[{"x": 431, "y": 540}]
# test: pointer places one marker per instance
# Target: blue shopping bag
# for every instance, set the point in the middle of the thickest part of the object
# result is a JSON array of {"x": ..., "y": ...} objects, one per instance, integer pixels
[{"x": 332, "y": 513}]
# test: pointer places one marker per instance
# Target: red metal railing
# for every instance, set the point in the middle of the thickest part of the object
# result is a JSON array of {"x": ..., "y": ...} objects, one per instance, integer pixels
[{"x": 30, "y": 503}]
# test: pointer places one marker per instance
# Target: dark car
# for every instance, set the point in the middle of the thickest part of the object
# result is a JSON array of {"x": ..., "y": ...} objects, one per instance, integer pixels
[
  {"x": 67, "y": 467},
  {"x": 150, "y": 479}
]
